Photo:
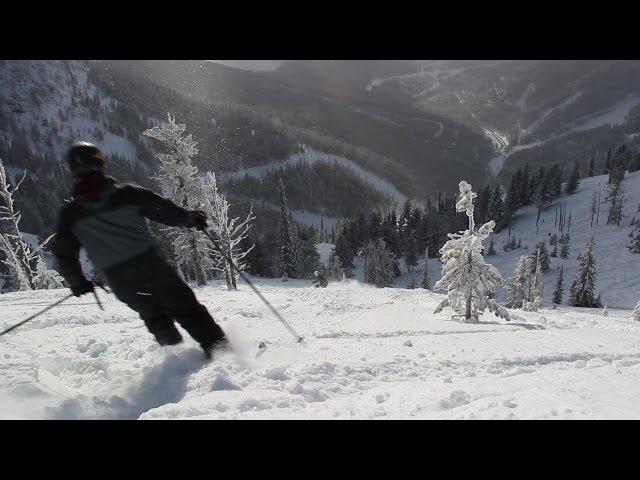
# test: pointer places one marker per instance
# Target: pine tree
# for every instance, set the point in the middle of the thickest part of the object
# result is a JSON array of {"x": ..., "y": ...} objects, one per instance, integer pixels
[
  {"x": 558, "y": 291},
  {"x": 582, "y": 292},
  {"x": 287, "y": 250},
  {"x": 412, "y": 284},
  {"x": 411, "y": 257},
  {"x": 615, "y": 198},
  {"x": 544, "y": 256},
  {"x": 592, "y": 167},
  {"x": 335, "y": 269},
  {"x": 46, "y": 278},
  {"x": 574, "y": 180},
  {"x": 180, "y": 181},
  {"x": 564, "y": 249},
  {"x": 378, "y": 264},
  {"x": 344, "y": 250},
  {"x": 634, "y": 246},
  {"x": 469, "y": 281},
  {"x": 426, "y": 281},
  {"x": 536, "y": 292},
  {"x": 518, "y": 285}
]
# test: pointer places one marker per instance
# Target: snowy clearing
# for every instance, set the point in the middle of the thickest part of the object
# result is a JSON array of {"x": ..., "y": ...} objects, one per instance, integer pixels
[{"x": 369, "y": 353}]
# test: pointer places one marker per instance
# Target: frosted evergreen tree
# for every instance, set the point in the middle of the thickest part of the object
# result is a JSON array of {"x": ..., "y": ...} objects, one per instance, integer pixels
[
  {"x": 426, "y": 281},
  {"x": 287, "y": 247},
  {"x": 536, "y": 287},
  {"x": 20, "y": 260},
  {"x": 558, "y": 291},
  {"x": 411, "y": 257},
  {"x": 518, "y": 286},
  {"x": 545, "y": 262},
  {"x": 469, "y": 281},
  {"x": 180, "y": 182},
  {"x": 636, "y": 312},
  {"x": 45, "y": 277},
  {"x": 378, "y": 263},
  {"x": 615, "y": 199},
  {"x": 335, "y": 271},
  {"x": 634, "y": 245},
  {"x": 574, "y": 180},
  {"x": 230, "y": 233},
  {"x": 412, "y": 284},
  {"x": 605, "y": 311},
  {"x": 582, "y": 292}
]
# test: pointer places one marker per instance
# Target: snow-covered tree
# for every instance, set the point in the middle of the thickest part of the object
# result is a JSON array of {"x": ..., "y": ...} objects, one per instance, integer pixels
[
  {"x": 605, "y": 311},
  {"x": 335, "y": 271},
  {"x": 412, "y": 284},
  {"x": 20, "y": 260},
  {"x": 287, "y": 247},
  {"x": 541, "y": 251},
  {"x": 615, "y": 199},
  {"x": 634, "y": 245},
  {"x": 229, "y": 232},
  {"x": 558, "y": 291},
  {"x": 518, "y": 286},
  {"x": 469, "y": 281},
  {"x": 180, "y": 182},
  {"x": 45, "y": 277},
  {"x": 378, "y": 263},
  {"x": 426, "y": 281},
  {"x": 636, "y": 312},
  {"x": 536, "y": 289},
  {"x": 582, "y": 292}
]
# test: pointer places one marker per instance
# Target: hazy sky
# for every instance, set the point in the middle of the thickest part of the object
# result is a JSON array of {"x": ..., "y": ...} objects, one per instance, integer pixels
[{"x": 261, "y": 65}]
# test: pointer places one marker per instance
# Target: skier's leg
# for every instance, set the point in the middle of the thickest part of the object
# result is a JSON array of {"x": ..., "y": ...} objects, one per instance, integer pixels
[
  {"x": 179, "y": 301},
  {"x": 162, "y": 328},
  {"x": 132, "y": 284}
]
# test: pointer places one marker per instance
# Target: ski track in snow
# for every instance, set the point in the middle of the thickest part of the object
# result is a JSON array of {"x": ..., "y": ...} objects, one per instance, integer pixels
[{"x": 368, "y": 353}]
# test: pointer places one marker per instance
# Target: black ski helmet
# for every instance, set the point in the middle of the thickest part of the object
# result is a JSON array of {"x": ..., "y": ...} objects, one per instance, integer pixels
[{"x": 84, "y": 157}]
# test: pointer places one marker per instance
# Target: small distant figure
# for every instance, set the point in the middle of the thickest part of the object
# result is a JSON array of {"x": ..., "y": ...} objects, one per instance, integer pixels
[
  {"x": 320, "y": 280},
  {"x": 605, "y": 312}
]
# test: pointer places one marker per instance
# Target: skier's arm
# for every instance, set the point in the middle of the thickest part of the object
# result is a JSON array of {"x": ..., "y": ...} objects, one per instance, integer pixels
[
  {"x": 66, "y": 248},
  {"x": 160, "y": 209}
]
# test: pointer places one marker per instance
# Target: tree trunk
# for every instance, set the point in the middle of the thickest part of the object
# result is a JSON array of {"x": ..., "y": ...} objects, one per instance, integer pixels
[{"x": 198, "y": 268}]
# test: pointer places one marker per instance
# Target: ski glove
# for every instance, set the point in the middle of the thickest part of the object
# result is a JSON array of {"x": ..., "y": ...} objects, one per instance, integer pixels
[
  {"x": 82, "y": 288},
  {"x": 198, "y": 219}
]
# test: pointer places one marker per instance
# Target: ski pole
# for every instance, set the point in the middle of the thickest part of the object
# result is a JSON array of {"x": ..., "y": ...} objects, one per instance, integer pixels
[
  {"x": 37, "y": 314},
  {"x": 256, "y": 291},
  {"x": 95, "y": 294}
]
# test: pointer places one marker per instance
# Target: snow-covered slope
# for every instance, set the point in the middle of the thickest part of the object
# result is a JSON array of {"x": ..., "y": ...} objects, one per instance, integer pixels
[
  {"x": 369, "y": 353},
  {"x": 618, "y": 277},
  {"x": 54, "y": 103}
]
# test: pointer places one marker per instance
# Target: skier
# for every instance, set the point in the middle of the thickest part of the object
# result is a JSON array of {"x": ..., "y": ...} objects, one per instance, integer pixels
[
  {"x": 108, "y": 219},
  {"x": 320, "y": 280}
]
